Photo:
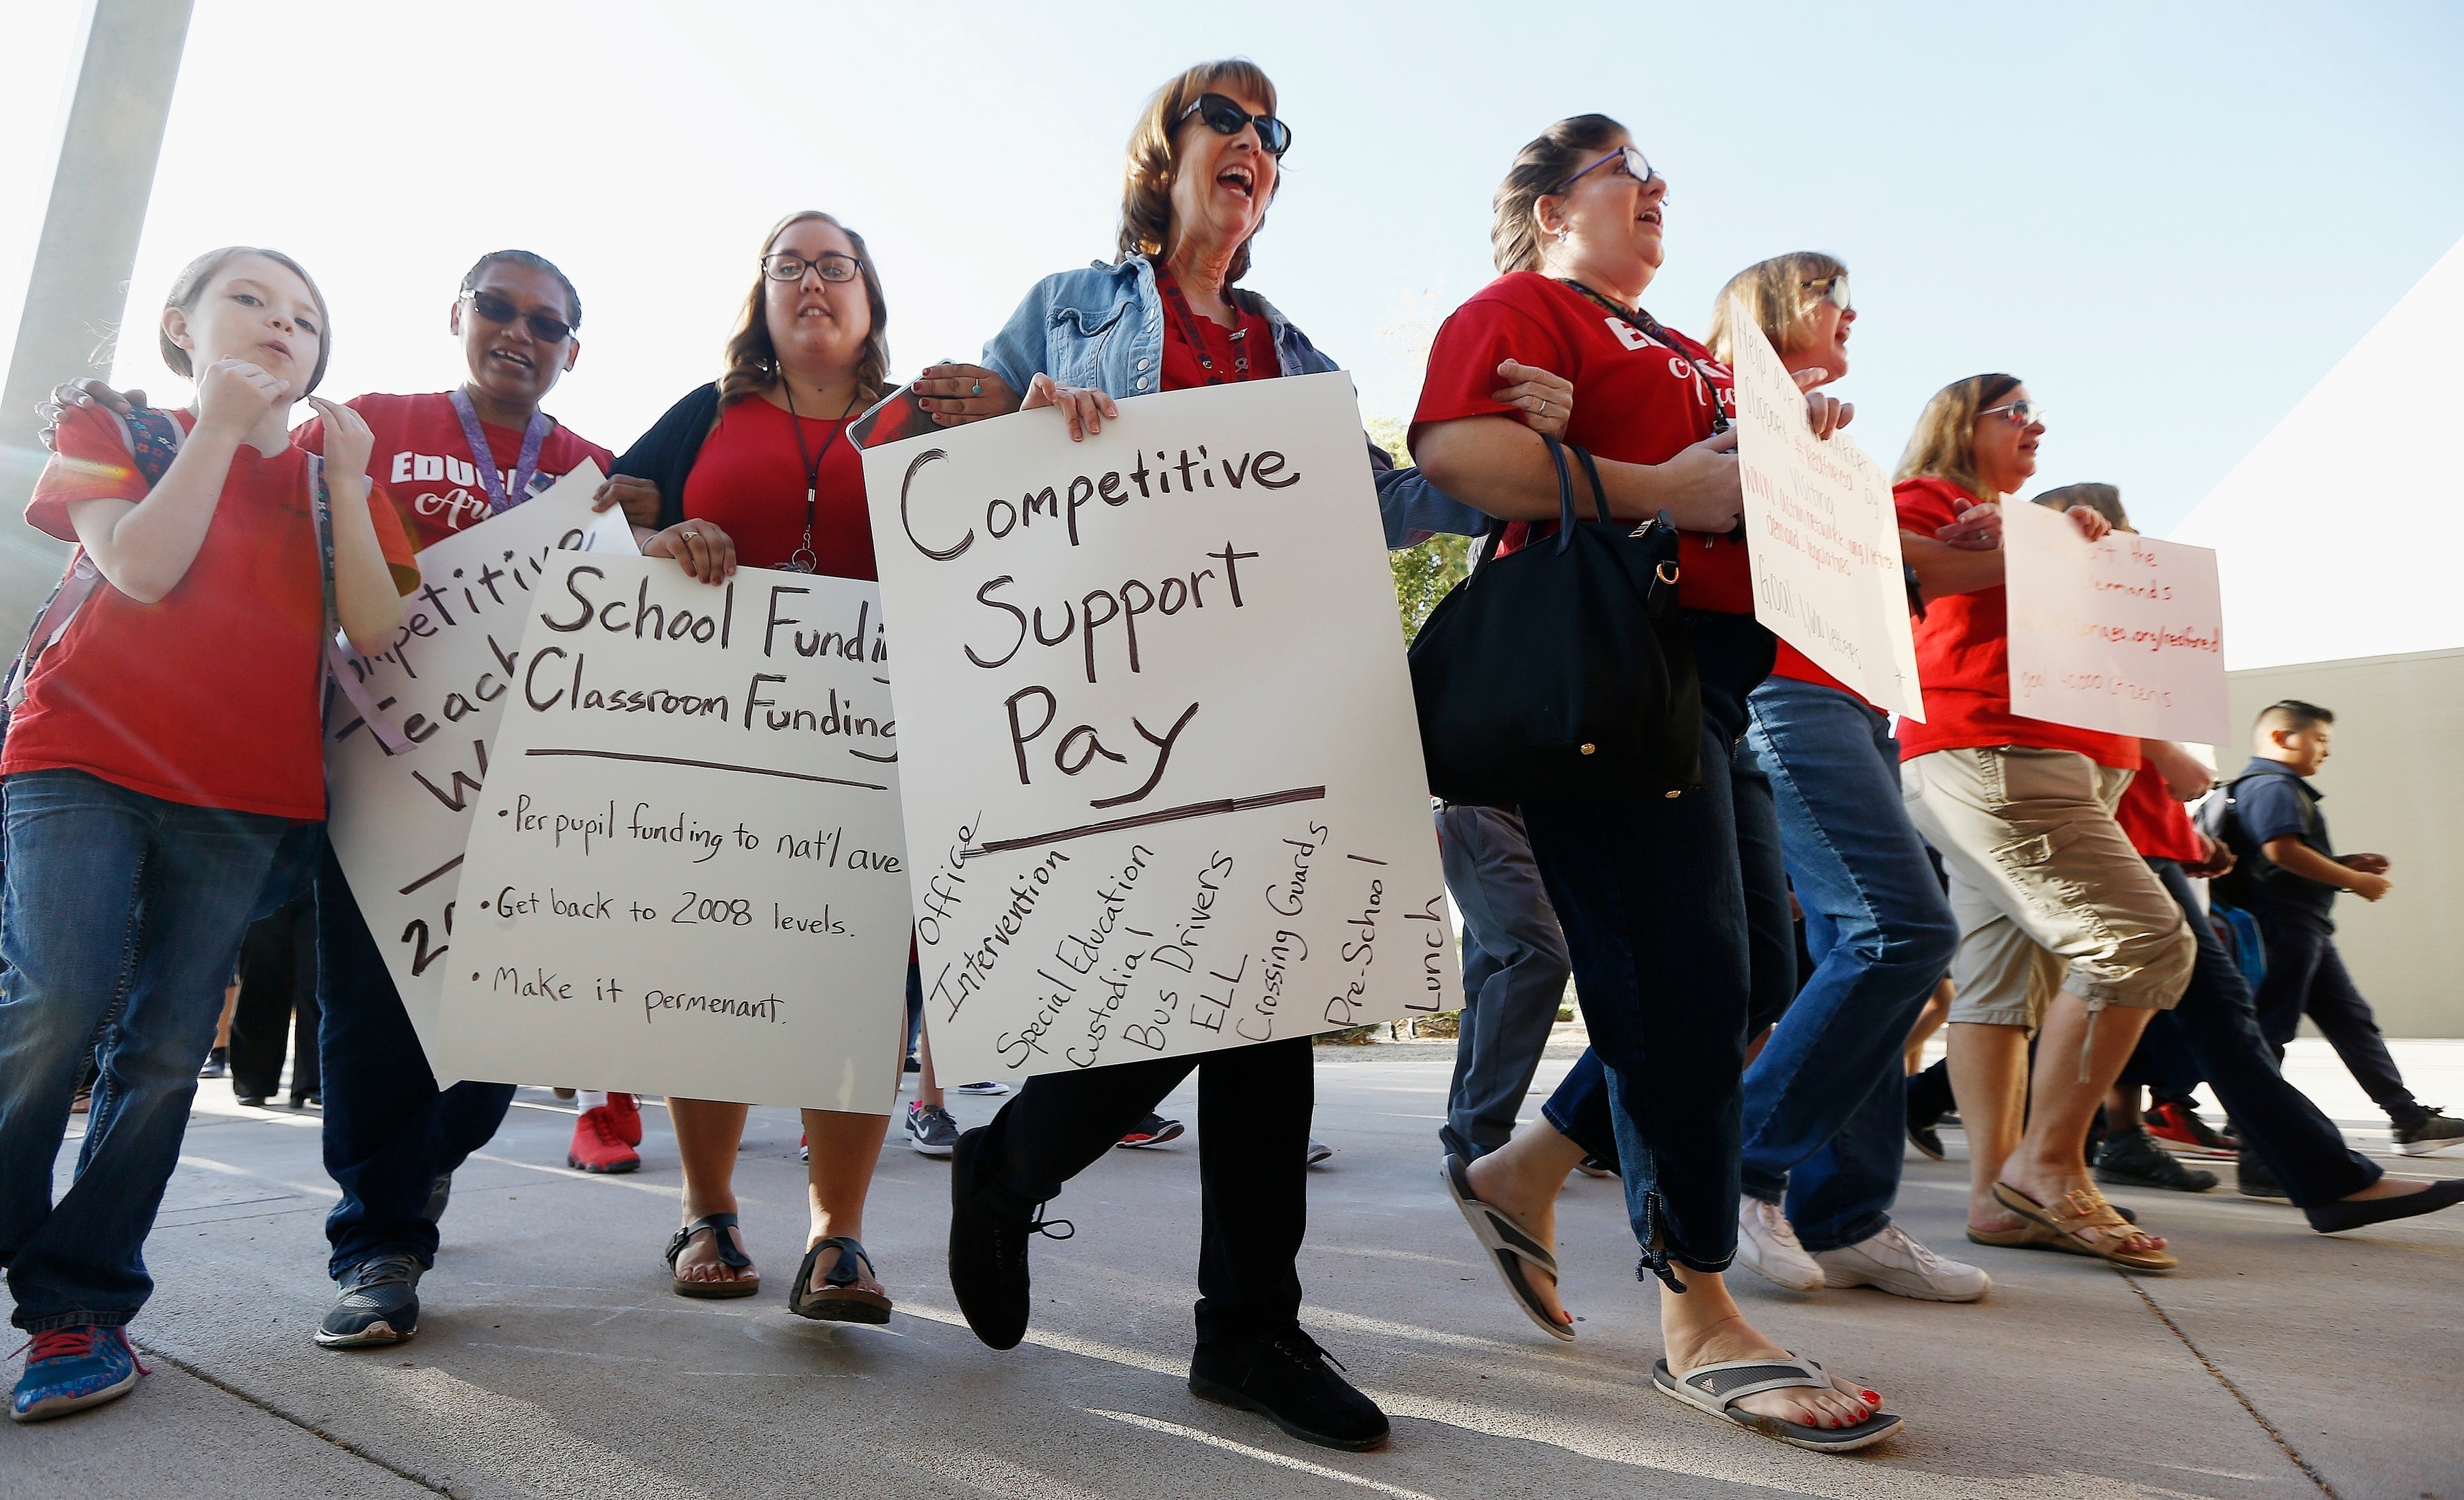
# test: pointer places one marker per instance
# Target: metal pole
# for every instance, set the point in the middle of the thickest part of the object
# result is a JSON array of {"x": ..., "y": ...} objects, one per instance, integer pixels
[{"x": 121, "y": 77}]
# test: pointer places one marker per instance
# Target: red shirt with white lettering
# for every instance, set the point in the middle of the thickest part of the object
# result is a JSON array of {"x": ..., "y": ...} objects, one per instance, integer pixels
[
  {"x": 1963, "y": 659},
  {"x": 1636, "y": 400},
  {"x": 424, "y": 462},
  {"x": 211, "y": 695},
  {"x": 749, "y": 481},
  {"x": 2159, "y": 827}
]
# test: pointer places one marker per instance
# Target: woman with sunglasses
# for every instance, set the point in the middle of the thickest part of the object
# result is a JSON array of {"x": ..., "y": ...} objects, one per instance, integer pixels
[
  {"x": 1675, "y": 909},
  {"x": 2064, "y": 931},
  {"x": 1204, "y": 161},
  {"x": 755, "y": 469}
]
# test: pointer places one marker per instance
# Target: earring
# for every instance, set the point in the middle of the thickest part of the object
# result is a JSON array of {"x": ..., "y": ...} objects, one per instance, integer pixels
[{"x": 1564, "y": 235}]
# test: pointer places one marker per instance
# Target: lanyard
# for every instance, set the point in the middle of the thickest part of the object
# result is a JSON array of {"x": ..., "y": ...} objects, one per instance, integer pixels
[
  {"x": 1192, "y": 329},
  {"x": 803, "y": 560},
  {"x": 1650, "y": 326},
  {"x": 484, "y": 459}
]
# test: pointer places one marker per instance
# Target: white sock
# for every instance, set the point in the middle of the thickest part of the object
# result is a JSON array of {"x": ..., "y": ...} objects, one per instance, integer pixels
[{"x": 591, "y": 1100}]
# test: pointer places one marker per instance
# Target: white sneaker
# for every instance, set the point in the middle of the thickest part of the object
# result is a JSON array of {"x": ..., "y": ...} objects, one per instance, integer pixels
[
  {"x": 1768, "y": 1242},
  {"x": 1892, "y": 1262}
]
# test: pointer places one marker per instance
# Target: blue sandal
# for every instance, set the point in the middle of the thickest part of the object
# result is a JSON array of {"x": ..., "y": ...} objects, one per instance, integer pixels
[{"x": 729, "y": 1256}]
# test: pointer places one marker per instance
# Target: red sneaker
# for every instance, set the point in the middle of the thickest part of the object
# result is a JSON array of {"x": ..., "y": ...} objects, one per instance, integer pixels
[
  {"x": 2182, "y": 1130},
  {"x": 599, "y": 1145},
  {"x": 625, "y": 1111}
]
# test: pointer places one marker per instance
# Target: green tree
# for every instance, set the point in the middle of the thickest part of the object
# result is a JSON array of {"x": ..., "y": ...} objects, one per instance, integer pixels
[{"x": 1422, "y": 574}]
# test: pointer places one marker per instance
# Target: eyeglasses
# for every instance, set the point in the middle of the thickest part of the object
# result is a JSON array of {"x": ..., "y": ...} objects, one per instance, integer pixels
[
  {"x": 1832, "y": 289},
  {"x": 2022, "y": 413},
  {"x": 499, "y": 310},
  {"x": 789, "y": 266},
  {"x": 1631, "y": 162},
  {"x": 1231, "y": 119}
]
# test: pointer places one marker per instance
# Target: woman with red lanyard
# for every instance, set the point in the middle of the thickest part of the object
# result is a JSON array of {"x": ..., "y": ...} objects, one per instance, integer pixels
[
  {"x": 2064, "y": 931},
  {"x": 1675, "y": 910},
  {"x": 755, "y": 469}
]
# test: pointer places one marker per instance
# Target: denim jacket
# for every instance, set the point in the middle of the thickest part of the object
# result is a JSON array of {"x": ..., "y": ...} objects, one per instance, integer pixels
[{"x": 1103, "y": 328}]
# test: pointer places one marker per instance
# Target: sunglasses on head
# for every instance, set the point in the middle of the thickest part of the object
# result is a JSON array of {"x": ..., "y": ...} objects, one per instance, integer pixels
[
  {"x": 499, "y": 309},
  {"x": 1631, "y": 162},
  {"x": 1231, "y": 119},
  {"x": 1832, "y": 289},
  {"x": 789, "y": 266},
  {"x": 2021, "y": 413}
]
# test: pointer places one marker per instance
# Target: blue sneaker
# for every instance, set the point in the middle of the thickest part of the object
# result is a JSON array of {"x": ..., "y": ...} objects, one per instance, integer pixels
[
  {"x": 375, "y": 1302},
  {"x": 73, "y": 1368}
]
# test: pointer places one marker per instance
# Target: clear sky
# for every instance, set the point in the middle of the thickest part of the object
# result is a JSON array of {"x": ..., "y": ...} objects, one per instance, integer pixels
[{"x": 2171, "y": 220}]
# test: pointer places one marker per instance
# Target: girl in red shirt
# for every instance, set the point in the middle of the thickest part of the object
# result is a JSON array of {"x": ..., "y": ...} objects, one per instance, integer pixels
[{"x": 166, "y": 743}]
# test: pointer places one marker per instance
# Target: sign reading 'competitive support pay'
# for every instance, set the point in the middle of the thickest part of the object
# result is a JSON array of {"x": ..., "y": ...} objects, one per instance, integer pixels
[
  {"x": 1163, "y": 776},
  {"x": 687, "y": 875}
]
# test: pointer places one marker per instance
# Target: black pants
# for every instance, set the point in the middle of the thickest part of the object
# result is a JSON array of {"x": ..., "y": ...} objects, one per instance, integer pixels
[
  {"x": 1253, "y": 1125},
  {"x": 2299, "y": 1143},
  {"x": 2305, "y": 977},
  {"x": 277, "y": 982}
]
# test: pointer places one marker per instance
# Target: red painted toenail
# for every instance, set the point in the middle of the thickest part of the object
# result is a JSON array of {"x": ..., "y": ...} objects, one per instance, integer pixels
[{"x": 1873, "y": 1396}]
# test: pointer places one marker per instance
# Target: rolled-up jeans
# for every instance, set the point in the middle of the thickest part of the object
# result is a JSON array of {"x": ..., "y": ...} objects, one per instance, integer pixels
[
  {"x": 125, "y": 908},
  {"x": 1825, "y": 1111}
]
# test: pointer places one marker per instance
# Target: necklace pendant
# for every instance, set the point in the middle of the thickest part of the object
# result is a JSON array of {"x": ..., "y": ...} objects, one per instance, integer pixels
[{"x": 802, "y": 561}]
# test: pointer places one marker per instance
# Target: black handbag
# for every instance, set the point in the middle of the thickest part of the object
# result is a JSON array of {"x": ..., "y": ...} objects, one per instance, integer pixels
[{"x": 1562, "y": 671}]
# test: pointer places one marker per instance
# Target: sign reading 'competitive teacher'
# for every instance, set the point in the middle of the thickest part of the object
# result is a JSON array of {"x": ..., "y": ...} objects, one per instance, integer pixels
[{"x": 1162, "y": 779}]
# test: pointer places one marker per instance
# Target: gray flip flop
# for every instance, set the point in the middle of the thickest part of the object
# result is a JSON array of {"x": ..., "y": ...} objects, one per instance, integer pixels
[
  {"x": 1716, "y": 1388},
  {"x": 1509, "y": 1248}
]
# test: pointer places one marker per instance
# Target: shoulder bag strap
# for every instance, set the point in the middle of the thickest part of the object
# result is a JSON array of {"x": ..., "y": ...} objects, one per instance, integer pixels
[{"x": 1565, "y": 493}]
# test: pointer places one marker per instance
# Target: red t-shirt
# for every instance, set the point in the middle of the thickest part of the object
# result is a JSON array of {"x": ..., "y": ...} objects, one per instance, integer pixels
[
  {"x": 2159, "y": 827},
  {"x": 1790, "y": 662},
  {"x": 749, "y": 481},
  {"x": 1636, "y": 400},
  {"x": 1255, "y": 341},
  {"x": 423, "y": 460},
  {"x": 209, "y": 696},
  {"x": 1963, "y": 659}
]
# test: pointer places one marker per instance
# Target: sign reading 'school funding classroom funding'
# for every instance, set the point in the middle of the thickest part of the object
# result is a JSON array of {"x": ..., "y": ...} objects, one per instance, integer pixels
[
  {"x": 1162, "y": 777},
  {"x": 399, "y": 817},
  {"x": 1825, "y": 550},
  {"x": 2124, "y": 635},
  {"x": 687, "y": 875}
]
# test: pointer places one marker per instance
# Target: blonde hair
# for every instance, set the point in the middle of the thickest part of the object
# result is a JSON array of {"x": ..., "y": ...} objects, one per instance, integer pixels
[
  {"x": 1773, "y": 295},
  {"x": 1155, "y": 158},
  {"x": 189, "y": 287},
  {"x": 751, "y": 363},
  {"x": 1540, "y": 171},
  {"x": 2104, "y": 499},
  {"x": 1943, "y": 445}
]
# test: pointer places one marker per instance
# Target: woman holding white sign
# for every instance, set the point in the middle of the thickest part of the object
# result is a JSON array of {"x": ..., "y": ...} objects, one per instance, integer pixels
[
  {"x": 755, "y": 469},
  {"x": 1675, "y": 909}
]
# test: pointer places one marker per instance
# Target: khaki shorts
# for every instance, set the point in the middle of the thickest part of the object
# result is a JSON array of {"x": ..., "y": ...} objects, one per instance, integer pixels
[{"x": 2048, "y": 893}]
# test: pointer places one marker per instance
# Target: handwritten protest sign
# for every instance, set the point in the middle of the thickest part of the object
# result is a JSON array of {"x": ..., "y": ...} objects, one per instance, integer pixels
[
  {"x": 1162, "y": 773},
  {"x": 399, "y": 820},
  {"x": 1825, "y": 537},
  {"x": 2125, "y": 635},
  {"x": 687, "y": 875}
]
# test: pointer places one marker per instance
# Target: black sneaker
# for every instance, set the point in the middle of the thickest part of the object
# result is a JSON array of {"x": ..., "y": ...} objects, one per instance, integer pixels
[
  {"x": 1930, "y": 1100},
  {"x": 217, "y": 1063},
  {"x": 2133, "y": 1159},
  {"x": 1286, "y": 1378},
  {"x": 2257, "y": 1182},
  {"x": 1153, "y": 1131},
  {"x": 988, "y": 1249},
  {"x": 375, "y": 1302},
  {"x": 2430, "y": 1134}
]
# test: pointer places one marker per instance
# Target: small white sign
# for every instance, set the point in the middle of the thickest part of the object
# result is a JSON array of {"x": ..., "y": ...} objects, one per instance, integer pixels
[
  {"x": 2123, "y": 635},
  {"x": 1162, "y": 771},
  {"x": 1824, "y": 537},
  {"x": 687, "y": 875},
  {"x": 399, "y": 820}
]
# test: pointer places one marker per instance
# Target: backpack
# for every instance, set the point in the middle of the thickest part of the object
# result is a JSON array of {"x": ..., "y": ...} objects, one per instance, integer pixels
[
  {"x": 2238, "y": 931},
  {"x": 2219, "y": 818}
]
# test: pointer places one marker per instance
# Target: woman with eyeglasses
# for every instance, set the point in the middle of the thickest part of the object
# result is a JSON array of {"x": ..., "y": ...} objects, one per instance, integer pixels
[
  {"x": 2064, "y": 931},
  {"x": 755, "y": 470},
  {"x": 1205, "y": 161},
  {"x": 1675, "y": 909}
]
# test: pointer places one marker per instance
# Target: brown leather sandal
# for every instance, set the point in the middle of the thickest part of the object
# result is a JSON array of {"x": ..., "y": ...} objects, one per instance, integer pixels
[
  {"x": 2085, "y": 1224},
  {"x": 842, "y": 1297}
]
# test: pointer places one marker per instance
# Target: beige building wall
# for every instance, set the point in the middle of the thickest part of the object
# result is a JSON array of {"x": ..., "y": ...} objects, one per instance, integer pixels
[{"x": 2394, "y": 786}]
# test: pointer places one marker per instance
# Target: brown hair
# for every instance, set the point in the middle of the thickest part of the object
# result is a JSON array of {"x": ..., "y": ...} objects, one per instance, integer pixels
[
  {"x": 1154, "y": 157},
  {"x": 751, "y": 363},
  {"x": 1943, "y": 445},
  {"x": 1540, "y": 171},
  {"x": 190, "y": 285},
  {"x": 1773, "y": 295},
  {"x": 2104, "y": 499}
]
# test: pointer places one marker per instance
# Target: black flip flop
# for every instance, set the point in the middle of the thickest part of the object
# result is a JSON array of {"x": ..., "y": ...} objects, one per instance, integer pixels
[
  {"x": 1509, "y": 1248},
  {"x": 839, "y": 1300},
  {"x": 1715, "y": 1388},
  {"x": 729, "y": 1256}
]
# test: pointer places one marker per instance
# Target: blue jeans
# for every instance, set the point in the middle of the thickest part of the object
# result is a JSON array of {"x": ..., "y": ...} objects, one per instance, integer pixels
[
  {"x": 389, "y": 1130},
  {"x": 1825, "y": 1111},
  {"x": 1676, "y": 917},
  {"x": 1514, "y": 969},
  {"x": 126, "y": 909}
]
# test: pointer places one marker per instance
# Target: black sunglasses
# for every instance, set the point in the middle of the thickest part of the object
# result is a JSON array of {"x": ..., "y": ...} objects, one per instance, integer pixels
[
  {"x": 1231, "y": 119},
  {"x": 499, "y": 310}
]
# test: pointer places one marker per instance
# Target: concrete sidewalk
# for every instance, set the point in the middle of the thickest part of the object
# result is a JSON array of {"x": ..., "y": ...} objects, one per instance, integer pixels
[{"x": 552, "y": 1360}]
